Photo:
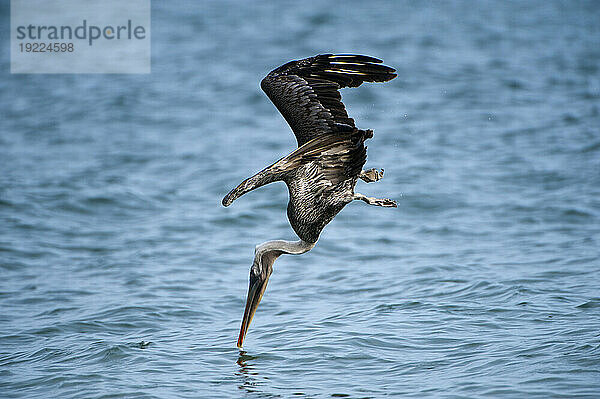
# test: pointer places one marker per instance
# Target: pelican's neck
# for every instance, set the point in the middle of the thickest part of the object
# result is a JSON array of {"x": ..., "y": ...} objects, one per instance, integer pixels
[{"x": 284, "y": 247}]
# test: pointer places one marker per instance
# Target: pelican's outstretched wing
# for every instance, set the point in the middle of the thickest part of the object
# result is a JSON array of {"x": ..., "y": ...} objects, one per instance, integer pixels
[
  {"x": 335, "y": 158},
  {"x": 306, "y": 91}
]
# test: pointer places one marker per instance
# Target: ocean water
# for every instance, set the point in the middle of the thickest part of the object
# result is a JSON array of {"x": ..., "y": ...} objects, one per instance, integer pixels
[{"x": 122, "y": 276}]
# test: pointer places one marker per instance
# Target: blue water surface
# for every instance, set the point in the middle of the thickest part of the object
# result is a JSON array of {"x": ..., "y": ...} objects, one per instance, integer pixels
[{"x": 124, "y": 277}]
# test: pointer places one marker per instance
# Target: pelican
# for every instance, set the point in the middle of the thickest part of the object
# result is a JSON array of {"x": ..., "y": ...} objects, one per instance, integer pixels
[{"x": 321, "y": 173}]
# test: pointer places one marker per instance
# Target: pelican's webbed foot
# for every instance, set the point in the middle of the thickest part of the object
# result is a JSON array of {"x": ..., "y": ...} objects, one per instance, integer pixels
[
  {"x": 371, "y": 175},
  {"x": 385, "y": 202}
]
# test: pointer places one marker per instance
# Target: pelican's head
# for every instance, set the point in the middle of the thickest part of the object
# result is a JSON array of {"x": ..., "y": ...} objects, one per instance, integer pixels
[{"x": 260, "y": 272}]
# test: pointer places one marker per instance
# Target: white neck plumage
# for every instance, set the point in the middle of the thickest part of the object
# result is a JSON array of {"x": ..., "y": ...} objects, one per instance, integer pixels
[
  {"x": 266, "y": 253},
  {"x": 284, "y": 247}
]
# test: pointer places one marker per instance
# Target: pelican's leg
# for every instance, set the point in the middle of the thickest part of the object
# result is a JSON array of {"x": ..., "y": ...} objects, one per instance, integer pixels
[
  {"x": 371, "y": 175},
  {"x": 385, "y": 202}
]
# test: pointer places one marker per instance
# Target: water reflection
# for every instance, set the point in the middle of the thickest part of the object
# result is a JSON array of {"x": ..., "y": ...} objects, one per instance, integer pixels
[
  {"x": 247, "y": 374},
  {"x": 252, "y": 382}
]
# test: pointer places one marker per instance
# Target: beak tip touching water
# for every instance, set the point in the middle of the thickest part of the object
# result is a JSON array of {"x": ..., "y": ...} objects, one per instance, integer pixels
[
  {"x": 240, "y": 340},
  {"x": 255, "y": 293}
]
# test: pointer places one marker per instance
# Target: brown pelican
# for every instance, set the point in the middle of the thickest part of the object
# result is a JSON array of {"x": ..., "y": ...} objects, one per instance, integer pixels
[{"x": 322, "y": 172}]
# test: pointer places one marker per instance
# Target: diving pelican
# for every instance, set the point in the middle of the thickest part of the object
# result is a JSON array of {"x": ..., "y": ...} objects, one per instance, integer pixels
[{"x": 322, "y": 172}]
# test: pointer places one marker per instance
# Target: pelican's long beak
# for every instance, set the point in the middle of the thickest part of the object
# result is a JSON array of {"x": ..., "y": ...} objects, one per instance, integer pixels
[{"x": 256, "y": 289}]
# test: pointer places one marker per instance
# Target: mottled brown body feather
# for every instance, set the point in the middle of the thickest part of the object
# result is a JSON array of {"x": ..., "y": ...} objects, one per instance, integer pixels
[{"x": 322, "y": 172}]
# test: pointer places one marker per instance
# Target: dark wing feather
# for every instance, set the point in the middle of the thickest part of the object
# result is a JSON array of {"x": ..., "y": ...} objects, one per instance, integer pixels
[
  {"x": 306, "y": 92},
  {"x": 334, "y": 158},
  {"x": 337, "y": 157}
]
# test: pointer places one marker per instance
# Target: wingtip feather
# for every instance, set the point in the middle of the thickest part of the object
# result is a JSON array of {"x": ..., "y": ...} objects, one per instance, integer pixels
[{"x": 356, "y": 57}]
